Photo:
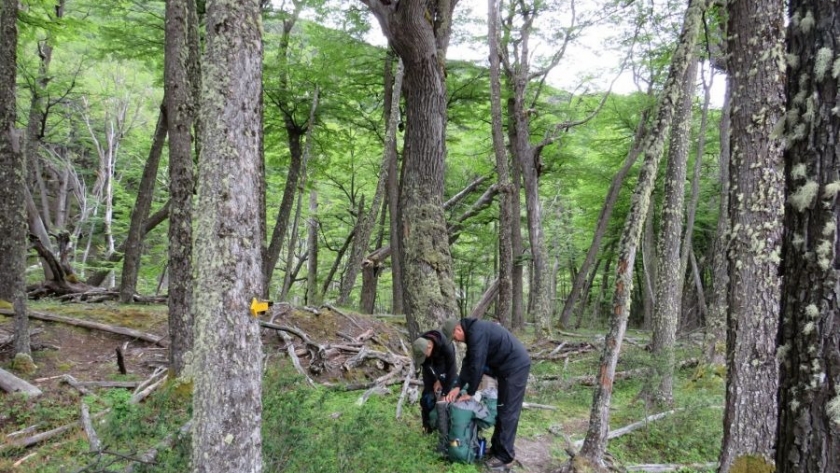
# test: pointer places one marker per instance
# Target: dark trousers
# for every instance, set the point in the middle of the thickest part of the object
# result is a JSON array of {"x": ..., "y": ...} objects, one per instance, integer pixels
[{"x": 511, "y": 395}]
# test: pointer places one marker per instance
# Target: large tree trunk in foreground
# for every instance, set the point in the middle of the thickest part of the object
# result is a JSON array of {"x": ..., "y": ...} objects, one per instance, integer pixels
[
  {"x": 12, "y": 183},
  {"x": 756, "y": 199},
  {"x": 425, "y": 259},
  {"x": 595, "y": 443},
  {"x": 809, "y": 401},
  {"x": 181, "y": 79},
  {"x": 134, "y": 240},
  {"x": 227, "y": 399}
]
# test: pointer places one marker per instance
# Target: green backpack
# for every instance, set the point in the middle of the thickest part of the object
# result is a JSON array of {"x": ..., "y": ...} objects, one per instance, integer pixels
[{"x": 460, "y": 424}]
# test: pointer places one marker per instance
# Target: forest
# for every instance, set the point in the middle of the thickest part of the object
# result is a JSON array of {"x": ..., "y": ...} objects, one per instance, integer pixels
[{"x": 224, "y": 223}]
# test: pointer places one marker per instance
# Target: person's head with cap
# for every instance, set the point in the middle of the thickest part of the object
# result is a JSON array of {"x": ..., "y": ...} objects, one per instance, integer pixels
[
  {"x": 452, "y": 330},
  {"x": 422, "y": 348}
]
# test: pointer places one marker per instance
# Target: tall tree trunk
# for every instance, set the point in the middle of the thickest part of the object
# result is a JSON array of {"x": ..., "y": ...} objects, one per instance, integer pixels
[
  {"x": 35, "y": 126},
  {"x": 288, "y": 278},
  {"x": 366, "y": 221},
  {"x": 294, "y": 133},
  {"x": 756, "y": 198},
  {"x": 12, "y": 183},
  {"x": 397, "y": 306},
  {"x": 289, "y": 272},
  {"x": 181, "y": 76},
  {"x": 506, "y": 220},
  {"x": 425, "y": 258},
  {"x": 670, "y": 275},
  {"x": 809, "y": 395},
  {"x": 313, "y": 295},
  {"x": 605, "y": 282},
  {"x": 517, "y": 276},
  {"x": 595, "y": 442},
  {"x": 715, "y": 337},
  {"x": 649, "y": 268},
  {"x": 687, "y": 250},
  {"x": 525, "y": 156},
  {"x": 588, "y": 287},
  {"x": 227, "y": 399},
  {"x": 134, "y": 240}
]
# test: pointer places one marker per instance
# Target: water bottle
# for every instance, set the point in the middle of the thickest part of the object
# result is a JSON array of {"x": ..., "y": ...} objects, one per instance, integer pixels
[{"x": 482, "y": 445}]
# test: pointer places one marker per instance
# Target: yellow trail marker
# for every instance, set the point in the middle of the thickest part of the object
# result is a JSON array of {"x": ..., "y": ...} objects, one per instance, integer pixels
[{"x": 259, "y": 307}]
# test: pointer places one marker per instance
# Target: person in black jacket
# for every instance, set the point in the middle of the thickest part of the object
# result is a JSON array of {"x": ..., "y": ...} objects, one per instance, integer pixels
[
  {"x": 435, "y": 355},
  {"x": 492, "y": 349}
]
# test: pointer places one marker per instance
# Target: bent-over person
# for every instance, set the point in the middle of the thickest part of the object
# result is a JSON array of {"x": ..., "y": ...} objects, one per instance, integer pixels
[{"x": 493, "y": 350}]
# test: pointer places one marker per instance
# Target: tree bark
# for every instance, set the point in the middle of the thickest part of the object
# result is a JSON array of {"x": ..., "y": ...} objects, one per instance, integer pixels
[
  {"x": 595, "y": 442},
  {"x": 288, "y": 277},
  {"x": 670, "y": 275},
  {"x": 227, "y": 399},
  {"x": 14, "y": 385},
  {"x": 517, "y": 276},
  {"x": 180, "y": 81},
  {"x": 506, "y": 222},
  {"x": 313, "y": 295},
  {"x": 134, "y": 240},
  {"x": 649, "y": 268},
  {"x": 809, "y": 400},
  {"x": 12, "y": 183},
  {"x": 687, "y": 251},
  {"x": 426, "y": 261},
  {"x": 756, "y": 198},
  {"x": 525, "y": 157}
]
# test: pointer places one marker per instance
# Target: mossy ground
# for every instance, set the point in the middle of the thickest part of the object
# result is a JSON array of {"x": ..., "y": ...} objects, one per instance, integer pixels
[{"x": 309, "y": 429}]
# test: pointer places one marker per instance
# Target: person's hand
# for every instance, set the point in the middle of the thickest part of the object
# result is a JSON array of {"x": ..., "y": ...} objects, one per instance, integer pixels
[
  {"x": 464, "y": 397},
  {"x": 437, "y": 387},
  {"x": 452, "y": 395}
]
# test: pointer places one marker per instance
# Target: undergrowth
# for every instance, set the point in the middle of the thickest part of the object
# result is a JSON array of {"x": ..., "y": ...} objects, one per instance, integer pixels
[{"x": 318, "y": 429}]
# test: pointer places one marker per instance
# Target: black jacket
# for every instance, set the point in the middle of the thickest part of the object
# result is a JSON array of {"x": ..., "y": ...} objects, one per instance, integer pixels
[
  {"x": 440, "y": 366},
  {"x": 490, "y": 345}
]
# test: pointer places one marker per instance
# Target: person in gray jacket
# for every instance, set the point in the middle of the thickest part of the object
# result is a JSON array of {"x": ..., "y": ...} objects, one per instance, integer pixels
[{"x": 492, "y": 350}]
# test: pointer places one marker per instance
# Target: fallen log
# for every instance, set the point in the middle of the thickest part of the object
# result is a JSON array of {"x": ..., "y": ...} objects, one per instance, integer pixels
[
  {"x": 591, "y": 379},
  {"x": 631, "y": 427},
  {"x": 531, "y": 405},
  {"x": 87, "y": 423},
  {"x": 149, "y": 455},
  {"x": 38, "y": 438},
  {"x": 12, "y": 384},
  {"x": 109, "y": 384},
  {"x": 75, "y": 383},
  {"x": 665, "y": 467},
  {"x": 151, "y": 338}
]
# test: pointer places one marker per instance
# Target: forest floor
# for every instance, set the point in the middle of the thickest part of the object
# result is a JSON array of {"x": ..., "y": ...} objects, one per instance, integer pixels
[{"x": 90, "y": 355}]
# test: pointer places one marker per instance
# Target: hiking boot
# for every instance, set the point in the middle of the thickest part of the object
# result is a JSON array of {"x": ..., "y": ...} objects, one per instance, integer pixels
[{"x": 496, "y": 464}]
